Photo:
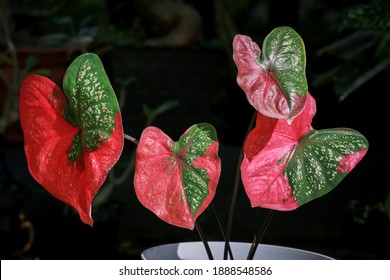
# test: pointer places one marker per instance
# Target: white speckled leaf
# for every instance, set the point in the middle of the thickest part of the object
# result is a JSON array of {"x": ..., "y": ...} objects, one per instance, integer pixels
[
  {"x": 284, "y": 56},
  {"x": 92, "y": 103},
  {"x": 59, "y": 136},
  {"x": 274, "y": 80},
  {"x": 177, "y": 180},
  {"x": 286, "y": 165},
  {"x": 322, "y": 159}
]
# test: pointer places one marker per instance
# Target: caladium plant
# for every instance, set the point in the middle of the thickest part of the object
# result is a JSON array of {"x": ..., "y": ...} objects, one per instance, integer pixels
[
  {"x": 286, "y": 165},
  {"x": 274, "y": 81},
  {"x": 177, "y": 180},
  {"x": 74, "y": 135}
]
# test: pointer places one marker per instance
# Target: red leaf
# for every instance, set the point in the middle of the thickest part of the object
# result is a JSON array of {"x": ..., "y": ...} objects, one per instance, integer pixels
[
  {"x": 347, "y": 163},
  {"x": 168, "y": 179},
  {"x": 277, "y": 91},
  {"x": 48, "y": 139},
  {"x": 265, "y": 147}
]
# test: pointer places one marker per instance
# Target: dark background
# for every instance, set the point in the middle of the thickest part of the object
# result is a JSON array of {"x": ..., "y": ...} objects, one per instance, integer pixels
[{"x": 347, "y": 223}]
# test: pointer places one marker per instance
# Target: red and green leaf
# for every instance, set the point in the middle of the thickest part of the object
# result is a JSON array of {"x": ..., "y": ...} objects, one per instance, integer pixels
[
  {"x": 274, "y": 81},
  {"x": 177, "y": 180},
  {"x": 72, "y": 138},
  {"x": 286, "y": 165}
]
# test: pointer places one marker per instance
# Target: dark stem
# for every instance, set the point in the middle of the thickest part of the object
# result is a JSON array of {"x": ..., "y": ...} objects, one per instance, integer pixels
[
  {"x": 205, "y": 243},
  {"x": 235, "y": 189},
  {"x": 222, "y": 232},
  {"x": 260, "y": 235}
]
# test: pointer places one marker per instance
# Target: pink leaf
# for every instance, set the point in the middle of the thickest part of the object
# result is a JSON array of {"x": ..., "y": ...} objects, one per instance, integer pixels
[
  {"x": 286, "y": 165},
  {"x": 177, "y": 180},
  {"x": 274, "y": 81}
]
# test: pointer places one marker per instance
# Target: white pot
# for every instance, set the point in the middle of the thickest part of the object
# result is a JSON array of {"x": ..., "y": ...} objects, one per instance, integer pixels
[{"x": 197, "y": 251}]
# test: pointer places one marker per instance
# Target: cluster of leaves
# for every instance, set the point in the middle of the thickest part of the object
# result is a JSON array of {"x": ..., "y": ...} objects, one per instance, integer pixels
[{"x": 73, "y": 137}]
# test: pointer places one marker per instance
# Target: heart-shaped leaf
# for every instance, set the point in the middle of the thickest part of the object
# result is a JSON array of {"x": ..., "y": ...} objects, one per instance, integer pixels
[
  {"x": 286, "y": 165},
  {"x": 177, "y": 180},
  {"x": 274, "y": 81},
  {"x": 72, "y": 140}
]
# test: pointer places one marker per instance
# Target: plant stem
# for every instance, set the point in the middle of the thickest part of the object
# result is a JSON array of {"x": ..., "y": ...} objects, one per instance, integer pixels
[
  {"x": 223, "y": 234},
  {"x": 132, "y": 139},
  {"x": 203, "y": 237},
  {"x": 260, "y": 235},
  {"x": 235, "y": 189}
]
